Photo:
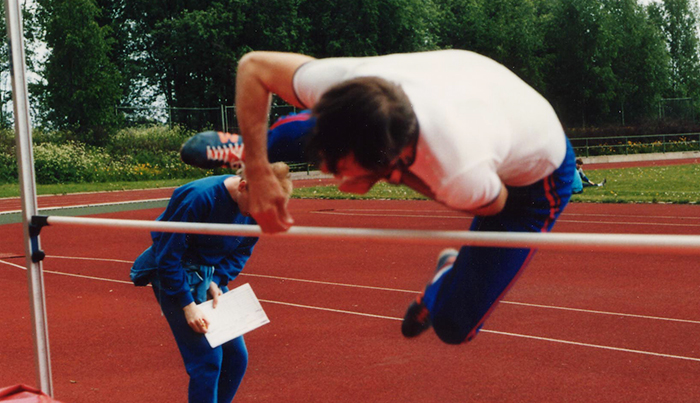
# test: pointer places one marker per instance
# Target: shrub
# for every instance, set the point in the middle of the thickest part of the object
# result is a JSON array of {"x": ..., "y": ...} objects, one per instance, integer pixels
[
  {"x": 68, "y": 162},
  {"x": 149, "y": 139},
  {"x": 7, "y": 141},
  {"x": 8, "y": 167}
]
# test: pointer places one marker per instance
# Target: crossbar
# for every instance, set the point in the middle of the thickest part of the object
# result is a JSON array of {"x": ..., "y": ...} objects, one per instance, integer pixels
[{"x": 635, "y": 243}]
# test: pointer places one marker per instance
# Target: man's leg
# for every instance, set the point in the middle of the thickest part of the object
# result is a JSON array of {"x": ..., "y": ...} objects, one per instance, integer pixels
[
  {"x": 202, "y": 363},
  {"x": 233, "y": 366},
  {"x": 461, "y": 297},
  {"x": 286, "y": 141}
]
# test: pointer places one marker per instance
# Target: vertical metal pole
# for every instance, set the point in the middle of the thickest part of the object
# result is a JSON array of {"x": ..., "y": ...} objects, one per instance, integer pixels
[
  {"x": 25, "y": 163},
  {"x": 223, "y": 119},
  {"x": 226, "y": 126}
]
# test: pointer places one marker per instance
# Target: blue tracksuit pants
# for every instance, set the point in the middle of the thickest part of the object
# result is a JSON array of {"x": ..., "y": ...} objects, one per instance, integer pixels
[
  {"x": 215, "y": 373},
  {"x": 462, "y": 297}
]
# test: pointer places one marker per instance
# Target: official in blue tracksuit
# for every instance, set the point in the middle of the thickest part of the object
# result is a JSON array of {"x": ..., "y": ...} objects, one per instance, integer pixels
[{"x": 187, "y": 269}]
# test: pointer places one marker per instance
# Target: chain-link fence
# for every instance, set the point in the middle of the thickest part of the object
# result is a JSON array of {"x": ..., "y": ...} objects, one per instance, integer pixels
[
  {"x": 636, "y": 144},
  {"x": 681, "y": 109},
  {"x": 221, "y": 118}
]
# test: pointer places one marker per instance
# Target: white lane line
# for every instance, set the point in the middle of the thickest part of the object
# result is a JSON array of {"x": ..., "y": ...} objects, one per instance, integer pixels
[
  {"x": 697, "y": 322},
  {"x": 470, "y": 217},
  {"x": 628, "y": 315},
  {"x": 76, "y": 206},
  {"x": 646, "y": 224},
  {"x": 576, "y": 343},
  {"x": 456, "y": 214},
  {"x": 91, "y": 193},
  {"x": 109, "y": 280},
  {"x": 525, "y": 336},
  {"x": 365, "y": 287},
  {"x": 569, "y": 342},
  {"x": 318, "y": 308},
  {"x": 91, "y": 258}
]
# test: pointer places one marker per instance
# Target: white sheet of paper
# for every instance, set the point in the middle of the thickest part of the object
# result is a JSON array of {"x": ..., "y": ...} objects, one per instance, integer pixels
[{"x": 238, "y": 312}]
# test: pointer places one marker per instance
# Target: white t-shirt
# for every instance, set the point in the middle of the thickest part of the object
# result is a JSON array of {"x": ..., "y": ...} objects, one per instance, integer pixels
[{"x": 480, "y": 124}]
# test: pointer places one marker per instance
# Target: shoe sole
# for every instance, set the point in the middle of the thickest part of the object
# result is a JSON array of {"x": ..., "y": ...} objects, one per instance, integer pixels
[{"x": 447, "y": 256}]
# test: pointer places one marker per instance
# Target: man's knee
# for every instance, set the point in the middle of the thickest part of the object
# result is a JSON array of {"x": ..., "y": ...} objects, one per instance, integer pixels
[
  {"x": 452, "y": 332},
  {"x": 203, "y": 364}
]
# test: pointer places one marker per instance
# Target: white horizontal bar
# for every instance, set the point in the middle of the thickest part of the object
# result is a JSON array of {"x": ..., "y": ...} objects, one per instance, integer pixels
[{"x": 653, "y": 244}]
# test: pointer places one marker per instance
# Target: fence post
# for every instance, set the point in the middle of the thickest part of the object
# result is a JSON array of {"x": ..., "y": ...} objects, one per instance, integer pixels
[
  {"x": 663, "y": 144},
  {"x": 223, "y": 119}
]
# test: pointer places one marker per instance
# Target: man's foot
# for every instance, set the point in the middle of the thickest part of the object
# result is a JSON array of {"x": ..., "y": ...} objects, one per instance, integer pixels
[
  {"x": 416, "y": 320},
  {"x": 211, "y": 149},
  {"x": 446, "y": 258},
  {"x": 417, "y": 317}
]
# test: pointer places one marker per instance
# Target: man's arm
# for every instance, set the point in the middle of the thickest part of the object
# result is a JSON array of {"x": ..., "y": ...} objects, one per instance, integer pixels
[
  {"x": 496, "y": 206},
  {"x": 259, "y": 75}
]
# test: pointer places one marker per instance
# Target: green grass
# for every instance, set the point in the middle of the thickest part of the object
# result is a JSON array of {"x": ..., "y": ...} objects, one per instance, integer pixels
[
  {"x": 663, "y": 184},
  {"x": 379, "y": 191},
  {"x": 12, "y": 190}
]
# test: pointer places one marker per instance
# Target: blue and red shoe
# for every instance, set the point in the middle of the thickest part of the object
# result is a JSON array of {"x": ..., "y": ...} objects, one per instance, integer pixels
[
  {"x": 212, "y": 149},
  {"x": 417, "y": 317}
]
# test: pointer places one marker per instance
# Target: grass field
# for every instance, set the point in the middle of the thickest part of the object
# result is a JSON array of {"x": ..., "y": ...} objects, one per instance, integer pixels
[{"x": 662, "y": 184}]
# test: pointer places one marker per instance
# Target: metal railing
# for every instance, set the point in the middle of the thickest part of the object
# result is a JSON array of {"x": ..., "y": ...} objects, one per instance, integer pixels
[{"x": 635, "y": 144}]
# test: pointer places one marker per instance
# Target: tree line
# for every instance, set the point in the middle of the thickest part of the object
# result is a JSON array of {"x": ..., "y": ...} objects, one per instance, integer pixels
[{"x": 597, "y": 61}]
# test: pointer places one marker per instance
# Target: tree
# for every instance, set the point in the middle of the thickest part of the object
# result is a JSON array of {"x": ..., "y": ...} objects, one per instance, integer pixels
[
  {"x": 4, "y": 71},
  {"x": 367, "y": 27},
  {"x": 31, "y": 30},
  {"x": 678, "y": 20},
  {"x": 640, "y": 61},
  {"x": 579, "y": 72},
  {"x": 125, "y": 51},
  {"x": 504, "y": 30},
  {"x": 82, "y": 84},
  {"x": 189, "y": 49}
]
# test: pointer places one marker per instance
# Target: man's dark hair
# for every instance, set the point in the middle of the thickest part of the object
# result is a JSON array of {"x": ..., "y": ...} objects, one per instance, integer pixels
[{"x": 369, "y": 117}]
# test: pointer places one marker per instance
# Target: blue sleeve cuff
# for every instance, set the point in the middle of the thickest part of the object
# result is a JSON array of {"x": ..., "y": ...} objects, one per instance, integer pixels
[
  {"x": 185, "y": 299},
  {"x": 220, "y": 281}
]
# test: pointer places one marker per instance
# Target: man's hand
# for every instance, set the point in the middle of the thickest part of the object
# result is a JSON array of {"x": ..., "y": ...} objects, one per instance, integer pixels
[
  {"x": 268, "y": 203},
  {"x": 259, "y": 75},
  {"x": 195, "y": 318},
  {"x": 215, "y": 293}
]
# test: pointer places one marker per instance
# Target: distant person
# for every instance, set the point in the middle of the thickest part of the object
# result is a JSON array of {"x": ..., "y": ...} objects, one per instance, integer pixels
[
  {"x": 581, "y": 180},
  {"x": 187, "y": 269}
]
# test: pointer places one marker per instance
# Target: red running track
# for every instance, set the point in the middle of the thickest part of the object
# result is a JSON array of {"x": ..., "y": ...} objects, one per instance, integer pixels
[{"x": 577, "y": 327}]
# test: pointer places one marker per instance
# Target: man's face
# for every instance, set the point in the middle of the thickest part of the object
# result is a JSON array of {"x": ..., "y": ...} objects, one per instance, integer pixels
[
  {"x": 354, "y": 178},
  {"x": 243, "y": 199}
]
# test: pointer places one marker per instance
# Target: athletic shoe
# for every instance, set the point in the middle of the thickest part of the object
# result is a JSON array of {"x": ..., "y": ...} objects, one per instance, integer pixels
[
  {"x": 445, "y": 258},
  {"x": 211, "y": 149},
  {"x": 416, "y": 320},
  {"x": 417, "y": 317},
  {"x": 603, "y": 182}
]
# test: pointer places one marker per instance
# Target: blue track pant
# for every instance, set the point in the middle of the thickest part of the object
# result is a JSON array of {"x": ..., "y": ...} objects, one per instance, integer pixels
[
  {"x": 215, "y": 373},
  {"x": 462, "y": 297}
]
